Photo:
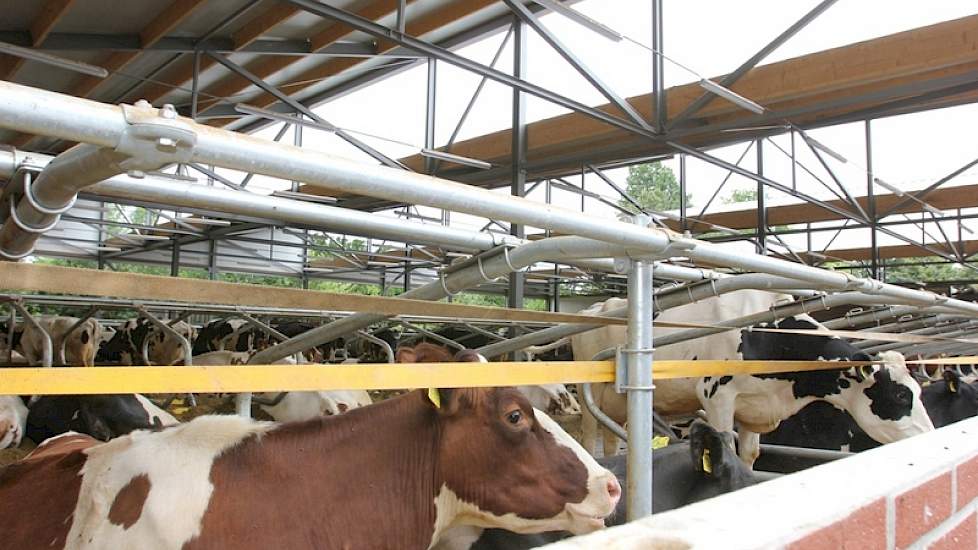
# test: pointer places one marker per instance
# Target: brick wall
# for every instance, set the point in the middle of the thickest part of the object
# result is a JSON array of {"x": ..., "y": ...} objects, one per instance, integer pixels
[{"x": 917, "y": 493}]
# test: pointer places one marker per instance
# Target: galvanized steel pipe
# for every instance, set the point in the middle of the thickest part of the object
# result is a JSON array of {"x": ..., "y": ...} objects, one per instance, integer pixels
[{"x": 42, "y": 112}]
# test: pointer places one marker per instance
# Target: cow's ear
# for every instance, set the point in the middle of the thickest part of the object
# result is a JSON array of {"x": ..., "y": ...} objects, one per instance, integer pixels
[
  {"x": 951, "y": 380},
  {"x": 708, "y": 449},
  {"x": 444, "y": 400},
  {"x": 863, "y": 372},
  {"x": 405, "y": 355}
]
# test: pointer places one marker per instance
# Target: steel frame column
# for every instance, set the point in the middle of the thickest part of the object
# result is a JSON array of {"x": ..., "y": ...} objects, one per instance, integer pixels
[
  {"x": 683, "y": 222},
  {"x": 638, "y": 376},
  {"x": 527, "y": 17},
  {"x": 429, "y": 114},
  {"x": 175, "y": 258},
  {"x": 874, "y": 265},
  {"x": 517, "y": 279},
  {"x": 761, "y": 208},
  {"x": 658, "y": 70}
]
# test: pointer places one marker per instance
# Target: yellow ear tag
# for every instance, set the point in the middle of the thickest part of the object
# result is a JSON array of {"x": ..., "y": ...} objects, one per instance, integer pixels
[
  {"x": 435, "y": 396},
  {"x": 952, "y": 386},
  {"x": 707, "y": 463},
  {"x": 659, "y": 442}
]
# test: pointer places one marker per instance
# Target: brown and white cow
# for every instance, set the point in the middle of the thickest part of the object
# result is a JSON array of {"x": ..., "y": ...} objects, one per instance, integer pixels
[
  {"x": 79, "y": 349},
  {"x": 396, "y": 474}
]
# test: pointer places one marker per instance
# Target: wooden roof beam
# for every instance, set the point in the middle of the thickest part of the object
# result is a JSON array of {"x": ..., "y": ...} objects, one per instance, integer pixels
[
  {"x": 43, "y": 24},
  {"x": 183, "y": 73},
  {"x": 267, "y": 66},
  {"x": 167, "y": 20},
  {"x": 417, "y": 27}
]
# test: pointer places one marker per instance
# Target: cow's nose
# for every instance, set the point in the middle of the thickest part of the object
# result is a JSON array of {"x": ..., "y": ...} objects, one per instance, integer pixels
[{"x": 614, "y": 490}]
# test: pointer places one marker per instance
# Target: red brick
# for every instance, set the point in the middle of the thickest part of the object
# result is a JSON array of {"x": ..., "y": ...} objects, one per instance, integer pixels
[
  {"x": 964, "y": 535},
  {"x": 922, "y": 508},
  {"x": 863, "y": 529},
  {"x": 967, "y": 482}
]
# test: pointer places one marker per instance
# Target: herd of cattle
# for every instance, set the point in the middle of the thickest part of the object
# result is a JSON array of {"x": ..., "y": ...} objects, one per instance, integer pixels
[{"x": 450, "y": 469}]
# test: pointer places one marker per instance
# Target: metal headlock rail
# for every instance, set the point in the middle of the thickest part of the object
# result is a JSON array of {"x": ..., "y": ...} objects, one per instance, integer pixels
[{"x": 132, "y": 139}]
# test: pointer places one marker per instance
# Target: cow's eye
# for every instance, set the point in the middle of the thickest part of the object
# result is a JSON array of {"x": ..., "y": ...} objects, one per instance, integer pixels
[
  {"x": 514, "y": 416},
  {"x": 903, "y": 394}
]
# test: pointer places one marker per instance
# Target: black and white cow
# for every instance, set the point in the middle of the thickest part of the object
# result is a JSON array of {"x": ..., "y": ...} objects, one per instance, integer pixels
[
  {"x": 100, "y": 416},
  {"x": 217, "y": 335},
  {"x": 125, "y": 346},
  {"x": 682, "y": 476},
  {"x": 883, "y": 399},
  {"x": 821, "y": 425}
]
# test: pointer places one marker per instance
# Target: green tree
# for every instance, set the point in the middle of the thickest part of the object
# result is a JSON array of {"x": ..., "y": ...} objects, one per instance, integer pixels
[
  {"x": 654, "y": 186},
  {"x": 741, "y": 195},
  {"x": 926, "y": 273}
]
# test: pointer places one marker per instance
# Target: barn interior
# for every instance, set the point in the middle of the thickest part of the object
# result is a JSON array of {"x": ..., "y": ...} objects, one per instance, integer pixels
[{"x": 377, "y": 167}]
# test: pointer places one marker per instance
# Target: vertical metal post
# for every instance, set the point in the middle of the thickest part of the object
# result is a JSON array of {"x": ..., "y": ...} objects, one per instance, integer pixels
[
  {"x": 658, "y": 74},
  {"x": 401, "y": 15},
  {"x": 429, "y": 120},
  {"x": 794, "y": 163},
  {"x": 297, "y": 141},
  {"x": 195, "y": 87},
  {"x": 175, "y": 257},
  {"x": 212, "y": 259},
  {"x": 101, "y": 237},
  {"x": 518, "y": 178},
  {"x": 638, "y": 368},
  {"x": 682, "y": 193},
  {"x": 874, "y": 263},
  {"x": 407, "y": 276},
  {"x": 761, "y": 209}
]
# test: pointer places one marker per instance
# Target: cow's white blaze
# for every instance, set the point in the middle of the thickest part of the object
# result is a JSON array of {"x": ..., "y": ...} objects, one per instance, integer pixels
[{"x": 177, "y": 463}]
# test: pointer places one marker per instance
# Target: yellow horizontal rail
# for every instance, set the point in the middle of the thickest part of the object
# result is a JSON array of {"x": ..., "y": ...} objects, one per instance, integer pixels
[{"x": 260, "y": 378}]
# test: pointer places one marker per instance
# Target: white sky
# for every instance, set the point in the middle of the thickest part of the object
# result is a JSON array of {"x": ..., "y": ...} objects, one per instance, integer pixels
[{"x": 710, "y": 36}]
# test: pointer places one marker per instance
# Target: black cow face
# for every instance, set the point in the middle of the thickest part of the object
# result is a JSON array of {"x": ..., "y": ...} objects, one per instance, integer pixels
[{"x": 950, "y": 400}]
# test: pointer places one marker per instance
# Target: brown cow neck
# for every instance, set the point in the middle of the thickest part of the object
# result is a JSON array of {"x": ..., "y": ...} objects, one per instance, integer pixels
[{"x": 365, "y": 479}]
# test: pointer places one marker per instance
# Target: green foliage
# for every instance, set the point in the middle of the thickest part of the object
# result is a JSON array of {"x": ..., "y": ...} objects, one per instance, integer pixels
[
  {"x": 895, "y": 273},
  {"x": 67, "y": 262},
  {"x": 654, "y": 186},
  {"x": 353, "y": 245},
  {"x": 251, "y": 278},
  {"x": 349, "y": 288},
  {"x": 741, "y": 195},
  {"x": 496, "y": 300},
  {"x": 935, "y": 272}
]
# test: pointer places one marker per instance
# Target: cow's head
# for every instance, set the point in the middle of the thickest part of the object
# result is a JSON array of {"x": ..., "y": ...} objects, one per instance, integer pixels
[
  {"x": 883, "y": 399},
  {"x": 505, "y": 464},
  {"x": 950, "y": 400},
  {"x": 715, "y": 461}
]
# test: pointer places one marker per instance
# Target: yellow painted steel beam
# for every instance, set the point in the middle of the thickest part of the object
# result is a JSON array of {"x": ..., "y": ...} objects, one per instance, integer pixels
[{"x": 260, "y": 378}]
